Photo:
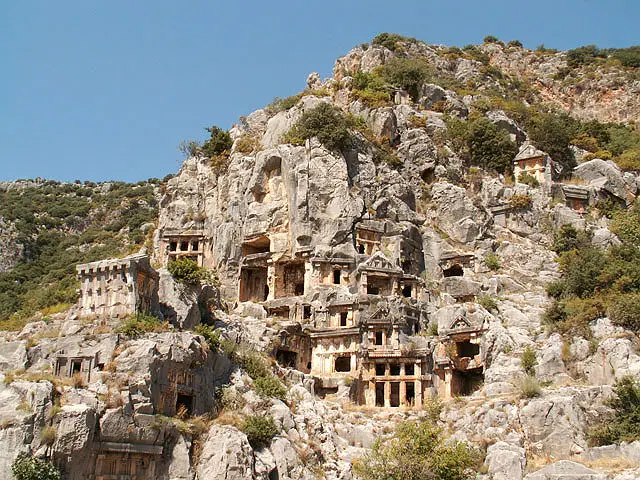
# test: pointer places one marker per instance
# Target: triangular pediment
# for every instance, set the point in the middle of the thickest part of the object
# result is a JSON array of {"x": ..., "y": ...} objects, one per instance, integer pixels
[
  {"x": 379, "y": 261},
  {"x": 458, "y": 323}
]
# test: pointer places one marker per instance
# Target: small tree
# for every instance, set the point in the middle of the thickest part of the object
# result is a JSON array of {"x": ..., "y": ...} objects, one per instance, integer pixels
[
  {"x": 185, "y": 270},
  {"x": 260, "y": 429},
  {"x": 625, "y": 423},
  {"x": 417, "y": 451},
  {"x": 220, "y": 142},
  {"x": 26, "y": 467}
]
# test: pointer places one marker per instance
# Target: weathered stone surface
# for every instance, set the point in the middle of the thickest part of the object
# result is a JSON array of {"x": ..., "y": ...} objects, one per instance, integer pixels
[
  {"x": 565, "y": 470},
  {"x": 505, "y": 462},
  {"x": 13, "y": 355},
  {"x": 226, "y": 455}
]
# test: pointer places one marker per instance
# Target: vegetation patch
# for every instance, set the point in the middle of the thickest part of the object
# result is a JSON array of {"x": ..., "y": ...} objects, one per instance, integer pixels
[
  {"x": 26, "y": 467},
  {"x": 417, "y": 450},
  {"x": 624, "y": 424},
  {"x": 259, "y": 429}
]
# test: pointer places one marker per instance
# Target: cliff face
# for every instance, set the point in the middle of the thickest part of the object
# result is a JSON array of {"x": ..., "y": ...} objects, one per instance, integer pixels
[{"x": 367, "y": 278}]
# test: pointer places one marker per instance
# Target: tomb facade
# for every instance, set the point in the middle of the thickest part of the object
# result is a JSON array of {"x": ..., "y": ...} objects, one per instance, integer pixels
[{"x": 118, "y": 287}]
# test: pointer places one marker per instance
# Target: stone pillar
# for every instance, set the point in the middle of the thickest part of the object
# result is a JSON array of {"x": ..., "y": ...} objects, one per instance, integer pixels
[
  {"x": 387, "y": 393},
  {"x": 417, "y": 386},
  {"x": 403, "y": 393},
  {"x": 354, "y": 366},
  {"x": 402, "y": 370},
  {"x": 271, "y": 281}
]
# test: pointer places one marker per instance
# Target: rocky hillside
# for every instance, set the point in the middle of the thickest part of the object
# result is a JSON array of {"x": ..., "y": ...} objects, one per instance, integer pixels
[
  {"x": 388, "y": 191},
  {"x": 47, "y": 227}
]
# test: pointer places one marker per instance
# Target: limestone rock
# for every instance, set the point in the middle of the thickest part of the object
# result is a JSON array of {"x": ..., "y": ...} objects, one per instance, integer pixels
[
  {"x": 505, "y": 462},
  {"x": 225, "y": 455},
  {"x": 565, "y": 470}
]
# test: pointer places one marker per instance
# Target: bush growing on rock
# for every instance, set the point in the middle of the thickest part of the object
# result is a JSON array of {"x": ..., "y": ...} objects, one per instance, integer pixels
[
  {"x": 520, "y": 201},
  {"x": 211, "y": 336},
  {"x": 528, "y": 386},
  {"x": 492, "y": 262},
  {"x": 139, "y": 324},
  {"x": 327, "y": 123},
  {"x": 26, "y": 467},
  {"x": 259, "y": 429},
  {"x": 270, "y": 387},
  {"x": 219, "y": 143},
  {"x": 186, "y": 271},
  {"x": 624, "y": 310},
  {"x": 552, "y": 133},
  {"x": 624, "y": 424},
  {"x": 528, "y": 360},
  {"x": 487, "y": 302},
  {"x": 416, "y": 451},
  {"x": 390, "y": 40},
  {"x": 528, "y": 179}
]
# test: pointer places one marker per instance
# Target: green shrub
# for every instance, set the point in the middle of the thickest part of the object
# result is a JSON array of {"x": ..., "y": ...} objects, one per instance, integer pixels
[
  {"x": 390, "y": 40},
  {"x": 327, "y": 123},
  {"x": 492, "y": 262},
  {"x": 141, "y": 323},
  {"x": 259, "y": 429},
  {"x": 515, "y": 43},
  {"x": 417, "y": 450},
  {"x": 26, "y": 467},
  {"x": 491, "y": 39},
  {"x": 280, "y": 104},
  {"x": 629, "y": 57},
  {"x": 624, "y": 424},
  {"x": 552, "y": 133},
  {"x": 601, "y": 154},
  {"x": 624, "y": 310},
  {"x": 520, "y": 201},
  {"x": 581, "y": 269},
  {"x": 487, "y": 302},
  {"x": 528, "y": 360},
  {"x": 482, "y": 142},
  {"x": 569, "y": 238},
  {"x": 626, "y": 225},
  {"x": 219, "y": 143},
  {"x": 528, "y": 179},
  {"x": 186, "y": 271},
  {"x": 528, "y": 386},
  {"x": 270, "y": 387},
  {"x": 629, "y": 160},
  {"x": 211, "y": 336},
  {"x": 407, "y": 73},
  {"x": 371, "y": 89},
  {"x": 583, "y": 55}
]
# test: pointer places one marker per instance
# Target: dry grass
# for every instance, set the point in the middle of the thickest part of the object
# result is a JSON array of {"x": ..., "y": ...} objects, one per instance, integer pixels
[
  {"x": 78, "y": 381},
  {"x": 48, "y": 436},
  {"x": 229, "y": 418}
]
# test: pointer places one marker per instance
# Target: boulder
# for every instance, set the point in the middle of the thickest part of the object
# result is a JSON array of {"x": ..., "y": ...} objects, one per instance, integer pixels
[
  {"x": 225, "y": 455},
  {"x": 565, "y": 470},
  {"x": 505, "y": 461},
  {"x": 605, "y": 176}
]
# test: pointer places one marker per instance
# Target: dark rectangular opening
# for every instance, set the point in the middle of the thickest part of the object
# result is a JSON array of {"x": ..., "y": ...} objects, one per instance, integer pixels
[
  {"x": 293, "y": 281},
  {"x": 336, "y": 276},
  {"x": 299, "y": 289},
  {"x": 76, "y": 366},
  {"x": 467, "y": 349},
  {"x": 322, "y": 392},
  {"x": 343, "y": 364},
  {"x": 406, "y": 291},
  {"x": 253, "y": 284},
  {"x": 378, "y": 338},
  {"x": 465, "y": 383},
  {"x": 195, "y": 245},
  {"x": 373, "y": 290},
  {"x": 394, "y": 369},
  {"x": 258, "y": 245},
  {"x": 453, "y": 271},
  {"x": 184, "y": 405},
  {"x": 286, "y": 358},
  {"x": 395, "y": 394},
  {"x": 173, "y": 246},
  {"x": 361, "y": 249},
  {"x": 380, "y": 369},
  {"x": 306, "y": 311},
  {"x": 411, "y": 393},
  {"x": 409, "y": 369},
  {"x": 184, "y": 246},
  {"x": 379, "y": 394},
  {"x": 343, "y": 319}
]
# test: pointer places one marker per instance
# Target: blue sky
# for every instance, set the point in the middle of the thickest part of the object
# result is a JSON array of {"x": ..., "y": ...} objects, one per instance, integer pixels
[{"x": 100, "y": 90}]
